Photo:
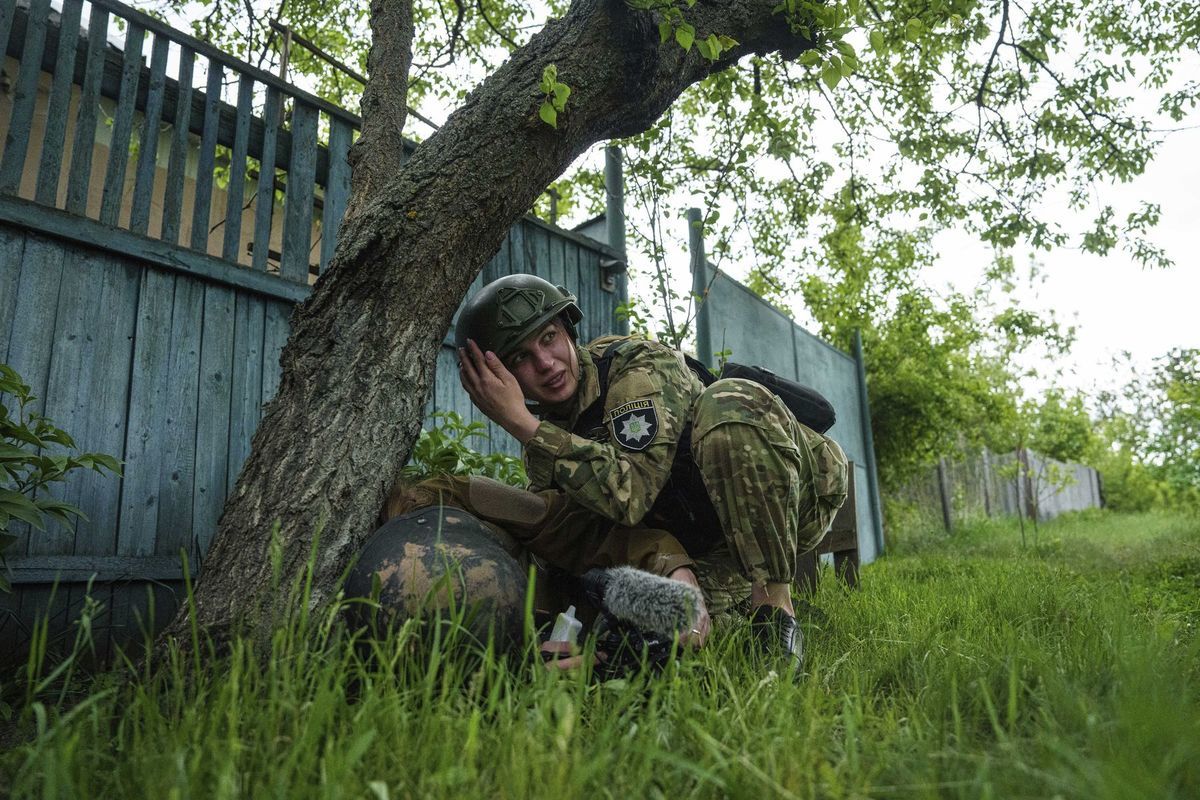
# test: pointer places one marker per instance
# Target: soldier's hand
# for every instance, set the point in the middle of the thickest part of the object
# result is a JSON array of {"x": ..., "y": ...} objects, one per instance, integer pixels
[
  {"x": 495, "y": 391},
  {"x": 696, "y": 637}
]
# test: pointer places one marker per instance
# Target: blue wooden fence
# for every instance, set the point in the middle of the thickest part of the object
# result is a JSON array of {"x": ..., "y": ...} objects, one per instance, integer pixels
[{"x": 147, "y": 275}]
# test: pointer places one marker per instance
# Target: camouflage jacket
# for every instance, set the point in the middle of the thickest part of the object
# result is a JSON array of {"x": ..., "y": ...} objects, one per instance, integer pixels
[{"x": 619, "y": 469}]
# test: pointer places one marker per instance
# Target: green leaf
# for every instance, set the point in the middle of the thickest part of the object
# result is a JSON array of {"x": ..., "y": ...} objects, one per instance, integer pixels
[
  {"x": 727, "y": 42},
  {"x": 705, "y": 49},
  {"x": 19, "y": 506},
  {"x": 549, "y": 78},
  {"x": 561, "y": 93},
  {"x": 105, "y": 461},
  {"x": 913, "y": 29},
  {"x": 549, "y": 115},
  {"x": 685, "y": 34},
  {"x": 810, "y": 58},
  {"x": 831, "y": 75},
  {"x": 664, "y": 31}
]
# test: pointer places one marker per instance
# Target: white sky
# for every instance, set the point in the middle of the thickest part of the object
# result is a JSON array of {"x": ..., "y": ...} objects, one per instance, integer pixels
[{"x": 1115, "y": 304}]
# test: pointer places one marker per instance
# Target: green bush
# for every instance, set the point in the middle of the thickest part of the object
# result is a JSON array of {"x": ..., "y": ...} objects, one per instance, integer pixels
[
  {"x": 443, "y": 450},
  {"x": 27, "y": 444}
]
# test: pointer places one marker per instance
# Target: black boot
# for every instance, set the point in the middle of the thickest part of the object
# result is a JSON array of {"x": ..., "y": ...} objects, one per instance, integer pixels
[{"x": 776, "y": 635}]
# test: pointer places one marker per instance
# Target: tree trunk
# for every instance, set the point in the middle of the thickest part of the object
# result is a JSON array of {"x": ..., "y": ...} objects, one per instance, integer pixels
[{"x": 359, "y": 363}]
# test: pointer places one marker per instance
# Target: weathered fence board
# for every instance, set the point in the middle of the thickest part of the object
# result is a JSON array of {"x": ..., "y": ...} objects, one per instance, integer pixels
[
  {"x": 108, "y": 391},
  {"x": 212, "y": 432},
  {"x": 177, "y": 476},
  {"x": 298, "y": 201},
  {"x": 50, "y": 166},
  {"x": 147, "y": 166},
  {"x": 144, "y": 438},
  {"x": 12, "y": 249},
  {"x": 122, "y": 127},
  {"x": 16, "y": 144},
  {"x": 79, "y": 180},
  {"x": 237, "y": 171},
  {"x": 177, "y": 161},
  {"x": 265, "y": 198}
]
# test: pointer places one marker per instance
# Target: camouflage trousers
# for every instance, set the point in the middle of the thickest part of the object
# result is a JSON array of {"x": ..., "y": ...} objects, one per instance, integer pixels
[{"x": 775, "y": 484}]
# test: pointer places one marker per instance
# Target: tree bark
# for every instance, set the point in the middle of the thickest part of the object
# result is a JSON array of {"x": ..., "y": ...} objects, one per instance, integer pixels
[
  {"x": 378, "y": 154},
  {"x": 359, "y": 363}
]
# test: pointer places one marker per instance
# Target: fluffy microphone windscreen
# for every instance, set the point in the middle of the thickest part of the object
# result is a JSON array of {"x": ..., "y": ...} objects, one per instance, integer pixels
[{"x": 649, "y": 602}]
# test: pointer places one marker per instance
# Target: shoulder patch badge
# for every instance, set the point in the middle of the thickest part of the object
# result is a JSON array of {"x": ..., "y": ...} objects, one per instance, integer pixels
[{"x": 634, "y": 424}]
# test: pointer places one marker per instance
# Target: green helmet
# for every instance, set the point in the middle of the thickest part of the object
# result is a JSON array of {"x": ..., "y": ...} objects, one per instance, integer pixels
[
  {"x": 441, "y": 561},
  {"x": 509, "y": 310}
]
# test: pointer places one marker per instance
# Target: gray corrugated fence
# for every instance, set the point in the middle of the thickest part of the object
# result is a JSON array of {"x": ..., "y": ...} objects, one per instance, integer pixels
[
  {"x": 147, "y": 306},
  {"x": 754, "y": 332}
]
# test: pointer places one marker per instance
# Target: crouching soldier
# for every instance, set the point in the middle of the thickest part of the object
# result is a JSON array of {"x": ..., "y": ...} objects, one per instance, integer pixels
[{"x": 632, "y": 459}]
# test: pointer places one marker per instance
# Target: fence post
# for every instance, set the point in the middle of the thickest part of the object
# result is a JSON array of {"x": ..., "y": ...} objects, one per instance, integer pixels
[
  {"x": 868, "y": 442},
  {"x": 699, "y": 263},
  {"x": 614, "y": 217},
  {"x": 987, "y": 483},
  {"x": 944, "y": 490}
]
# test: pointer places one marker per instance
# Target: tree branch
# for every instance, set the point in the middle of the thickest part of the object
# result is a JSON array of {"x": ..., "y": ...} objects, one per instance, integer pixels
[{"x": 384, "y": 102}]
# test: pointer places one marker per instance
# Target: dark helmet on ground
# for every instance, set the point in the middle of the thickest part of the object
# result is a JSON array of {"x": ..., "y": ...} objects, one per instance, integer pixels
[
  {"x": 442, "y": 562},
  {"x": 509, "y": 310}
]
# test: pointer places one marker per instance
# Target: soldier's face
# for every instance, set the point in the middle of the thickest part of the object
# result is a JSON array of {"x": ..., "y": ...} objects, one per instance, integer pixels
[{"x": 546, "y": 365}]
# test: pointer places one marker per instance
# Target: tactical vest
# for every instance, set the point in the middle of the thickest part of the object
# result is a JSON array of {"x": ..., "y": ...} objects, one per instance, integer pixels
[{"x": 683, "y": 507}]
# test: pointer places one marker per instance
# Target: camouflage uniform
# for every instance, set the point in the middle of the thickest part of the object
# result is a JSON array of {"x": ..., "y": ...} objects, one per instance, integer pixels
[{"x": 774, "y": 483}]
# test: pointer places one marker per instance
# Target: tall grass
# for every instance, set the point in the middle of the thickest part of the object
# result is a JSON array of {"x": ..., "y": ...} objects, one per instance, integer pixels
[{"x": 963, "y": 667}]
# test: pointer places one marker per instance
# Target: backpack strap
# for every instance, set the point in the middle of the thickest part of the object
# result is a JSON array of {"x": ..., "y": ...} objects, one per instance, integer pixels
[{"x": 592, "y": 417}]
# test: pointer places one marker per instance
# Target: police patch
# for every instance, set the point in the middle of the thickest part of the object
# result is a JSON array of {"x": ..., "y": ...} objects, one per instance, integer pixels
[{"x": 634, "y": 424}]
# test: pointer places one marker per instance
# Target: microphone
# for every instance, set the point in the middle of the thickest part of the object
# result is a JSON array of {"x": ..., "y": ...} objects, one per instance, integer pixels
[{"x": 644, "y": 601}]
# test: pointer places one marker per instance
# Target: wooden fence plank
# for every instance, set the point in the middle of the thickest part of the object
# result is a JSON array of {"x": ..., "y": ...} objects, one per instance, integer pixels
[
  {"x": 12, "y": 250},
  {"x": 80, "y": 177},
  {"x": 212, "y": 418},
  {"x": 50, "y": 167},
  {"x": 245, "y": 406},
  {"x": 206, "y": 159},
  {"x": 144, "y": 435},
  {"x": 298, "y": 201},
  {"x": 177, "y": 478},
  {"x": 16, "y": 143},
  {"x": 276, "y": 329},
  {"x": 518, "y": 251},
  {"x": 558, "y": 261},
  {"x": 143, "y": 185},
  {"x": 32, "y": 342},
  {"x": 76, "y": 321},
  {"x": 264, "y": 201},
  {"x": 337, "y": 188},
  {"x": 81, "y": 568},
  {"x": 122, "y": 127},
  {"x": 539, "y": 251},
  {"x": 108, "y": 393},
  {"x": 180, "y": 144},
  {"x": 7, "y": 12},
  {"x": 236, "y": 188}
]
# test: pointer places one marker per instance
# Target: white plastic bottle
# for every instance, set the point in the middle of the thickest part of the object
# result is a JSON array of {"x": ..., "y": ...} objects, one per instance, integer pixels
[{"x": 566, "y": 627}]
